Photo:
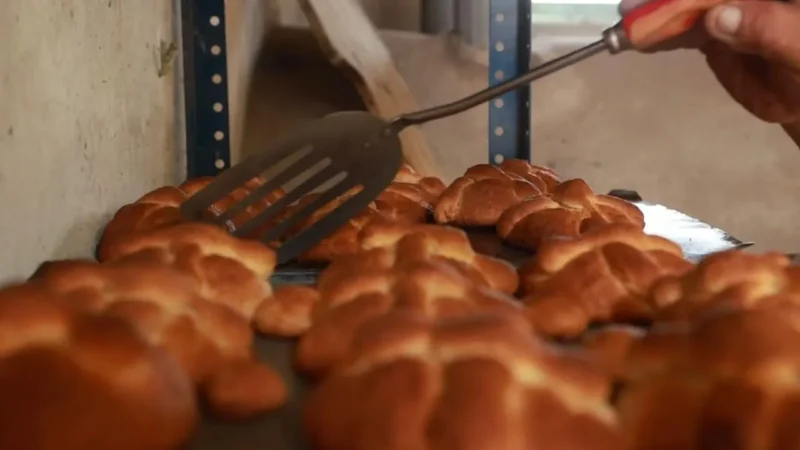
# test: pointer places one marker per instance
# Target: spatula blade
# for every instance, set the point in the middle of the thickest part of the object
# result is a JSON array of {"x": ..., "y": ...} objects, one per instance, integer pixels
[{"x": 360, "y": 146}]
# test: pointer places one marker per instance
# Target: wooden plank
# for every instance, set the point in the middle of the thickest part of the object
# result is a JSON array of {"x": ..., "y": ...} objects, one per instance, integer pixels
[{"x": 353, "y": 45}]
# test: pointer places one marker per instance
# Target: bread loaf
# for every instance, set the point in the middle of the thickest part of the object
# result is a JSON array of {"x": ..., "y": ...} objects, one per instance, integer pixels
[
  {"x": 481, "y": 195},
  {"x": 726, "y": 382},
  {"x": 77, "y": 381},
  {"x": 432, "y": 288},
  {"x": 384, "y": 249},
  {"x": 410, "y": 198},
  {"x": 161, "y": 208},
  {"x": 228, "y": 271},
  {"x": 728, "y": 280},
  {"x": 288, "y": 312},
  {"x": 609, "y": 345},
  {"x": 478, "y": 381},
  {"x": 425, "y": 242},
  {"x": 209, "y": 339},
  {"x": 544, "y": 178},
  {"x": 342, "y": 242},
  {"x": 155, "y": 209},
  {"x": 571, "y": 209},
  {"x": 602, "y": 277}
]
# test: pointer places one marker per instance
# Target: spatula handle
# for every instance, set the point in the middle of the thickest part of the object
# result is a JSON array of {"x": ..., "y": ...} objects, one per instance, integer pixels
[
  {"x": 458, "y": 106},
  {"x": 658, "y": 21}
]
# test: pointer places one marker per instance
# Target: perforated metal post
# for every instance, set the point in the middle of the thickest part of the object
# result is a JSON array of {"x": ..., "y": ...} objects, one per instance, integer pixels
[
  {"x": 206, "y": 87},
  {"x": 509, "y": 56}
]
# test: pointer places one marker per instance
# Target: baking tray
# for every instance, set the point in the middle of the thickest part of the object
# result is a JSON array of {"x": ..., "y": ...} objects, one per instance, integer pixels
[
  {"x": 278, "y": 430},
  {"x": 283, "y": 429}
]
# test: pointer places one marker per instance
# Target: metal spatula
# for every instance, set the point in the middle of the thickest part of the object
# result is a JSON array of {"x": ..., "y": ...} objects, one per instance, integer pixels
[{"x": 347, "y": 150}]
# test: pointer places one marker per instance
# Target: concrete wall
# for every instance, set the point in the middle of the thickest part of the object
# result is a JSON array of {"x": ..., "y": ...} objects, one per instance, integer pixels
[
  {"x": 86, "y": 123},
  {"x": 88, "y": 116}
]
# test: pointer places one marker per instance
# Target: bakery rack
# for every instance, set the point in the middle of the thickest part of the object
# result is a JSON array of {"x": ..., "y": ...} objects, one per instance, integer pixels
[
  {"x": 206, "y": 85},
  {"x": 509, "y": 56},
  {"x": 205, "y": 78}
]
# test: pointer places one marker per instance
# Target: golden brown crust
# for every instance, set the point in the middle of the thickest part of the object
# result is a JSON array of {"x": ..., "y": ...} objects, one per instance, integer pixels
[
  {"x": 409, "y": 199},
  {"x": 569, "y": 211},
  {"x": 406, "y": 202},
  {"x": 228, "y": 271},
  {"x": 474, "y": 382},
  {"x": 724, "y": 382},
  {"x": 245, "y": 389},
  {"x": 544, "y": 178},
  {"x": 156, "y": 209},
  {"x": 191, "y": 187},
  {"x": 288, "y": 312},
  {"x": 161, "y": 208},
  {"x": 481, "y": 195},
  {"x": 728, "y": 280},
  {"x": 342, "y": 242},
  {"x": 78, "y": 381},
  {"x": 609, "y": 346},
  {"x": 433, "y": 288},
  {"x": 603, "y": 276},
  {"x": 433, "y": 186},
  {"x": 423, "y": 242},
  {"x": 170, "y": 310}
]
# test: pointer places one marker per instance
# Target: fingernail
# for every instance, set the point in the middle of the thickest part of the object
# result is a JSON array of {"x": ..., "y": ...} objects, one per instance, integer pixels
[{"x": 729, "y": 18}]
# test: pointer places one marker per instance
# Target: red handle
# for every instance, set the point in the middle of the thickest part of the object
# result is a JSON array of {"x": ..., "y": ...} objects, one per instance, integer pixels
[{"x": 660, "y": 20}]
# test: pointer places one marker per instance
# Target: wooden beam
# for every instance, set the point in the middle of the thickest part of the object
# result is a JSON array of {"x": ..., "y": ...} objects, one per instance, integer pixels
[{"x": 351, "y": 42}]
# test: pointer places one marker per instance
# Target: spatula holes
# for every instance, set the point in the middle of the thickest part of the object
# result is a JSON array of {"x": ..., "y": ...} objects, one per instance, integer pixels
[
  {"x": 286, "y": 162},
  {"x": 498, "y": 158},
  {"x": 219, "y": 164},
  {"x": 219, "y": 135},
  {"x": 216, "y": 78},
  {"x": 218, "y": 107},
  {"x": 499, "y": 75},
  {"x": 216, "y": 50},
  {"x": 336, "y": 179},
  {"x": 214, "y": 21},
  {"x": 319, "y": 166}
]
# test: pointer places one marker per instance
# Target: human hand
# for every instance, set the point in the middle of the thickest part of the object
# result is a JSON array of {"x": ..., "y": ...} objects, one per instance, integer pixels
[{"x": 753, "y": 48}]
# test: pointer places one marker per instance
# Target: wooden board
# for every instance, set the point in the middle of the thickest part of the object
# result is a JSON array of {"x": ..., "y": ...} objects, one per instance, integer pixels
[{"x": 352, "y": 44}]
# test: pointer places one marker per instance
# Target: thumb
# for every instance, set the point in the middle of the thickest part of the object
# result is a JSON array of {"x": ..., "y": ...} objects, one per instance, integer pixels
[{"x": 767, "y": 28}]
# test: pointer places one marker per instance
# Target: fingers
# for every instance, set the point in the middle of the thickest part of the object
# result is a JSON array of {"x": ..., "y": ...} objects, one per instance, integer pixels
[{"x": 766, "y": 28}]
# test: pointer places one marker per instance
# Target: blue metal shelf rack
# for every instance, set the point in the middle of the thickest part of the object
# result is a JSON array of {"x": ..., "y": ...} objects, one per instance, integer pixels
[
  {"x": 205, "y": 71},
  {"x": 509, "y": 56},
  {"x": 206, "y": 84}
]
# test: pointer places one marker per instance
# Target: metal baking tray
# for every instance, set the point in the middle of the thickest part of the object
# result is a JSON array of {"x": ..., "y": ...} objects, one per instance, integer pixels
[{"x": 278, "y": 430}]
